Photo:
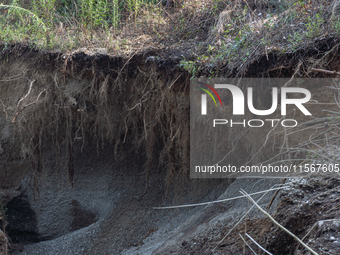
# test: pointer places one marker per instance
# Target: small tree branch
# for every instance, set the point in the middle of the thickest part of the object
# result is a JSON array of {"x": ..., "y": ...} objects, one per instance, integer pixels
[{"x": 324, "y": 71}]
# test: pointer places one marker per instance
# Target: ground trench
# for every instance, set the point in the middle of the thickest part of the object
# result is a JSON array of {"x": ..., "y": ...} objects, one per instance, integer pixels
[
  {"x": 115, "y": 144},
  {"x": 66, "y": 168}
]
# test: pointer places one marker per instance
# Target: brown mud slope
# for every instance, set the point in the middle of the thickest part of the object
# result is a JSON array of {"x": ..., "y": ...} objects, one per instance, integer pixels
[
  {"x": 90, "y": 142},
  {"x": 308, "y": 208}
]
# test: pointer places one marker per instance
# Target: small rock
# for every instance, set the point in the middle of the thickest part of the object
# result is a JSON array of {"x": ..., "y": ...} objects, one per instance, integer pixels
[{"x": 332, "y": 238}]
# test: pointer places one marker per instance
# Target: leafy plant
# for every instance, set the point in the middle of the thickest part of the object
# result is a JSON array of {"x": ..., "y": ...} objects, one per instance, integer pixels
[
  {"x": 314, "y": 25},
  {"x": 191, "y": 66},
  {"x": 21, "y": 11}
]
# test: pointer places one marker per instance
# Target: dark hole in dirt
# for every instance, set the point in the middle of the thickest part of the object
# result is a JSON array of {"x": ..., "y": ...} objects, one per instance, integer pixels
[
  {"x": 22, "y": 221},
  {"x": 81, "y": 217}
]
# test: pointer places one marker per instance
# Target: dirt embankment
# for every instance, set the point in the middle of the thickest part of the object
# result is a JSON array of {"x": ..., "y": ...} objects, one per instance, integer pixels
[{"x": 90, "y": 143}]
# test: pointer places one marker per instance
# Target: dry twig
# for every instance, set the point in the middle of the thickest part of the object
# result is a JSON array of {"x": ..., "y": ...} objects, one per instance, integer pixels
[
  {"x": 238, "y": 222},
  {"x": 258, "y": 244},
  {"x": 276, "y": 223},
  {"x": 217, "y": 201},
  {"x": 324, "y": 71},
  {"x": 247, "y": 244}
]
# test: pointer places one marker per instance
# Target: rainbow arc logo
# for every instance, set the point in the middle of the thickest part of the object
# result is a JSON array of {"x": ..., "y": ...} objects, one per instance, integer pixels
[
  {"x": 209, "y": 93},
  {"x": 204, "y": 97}
]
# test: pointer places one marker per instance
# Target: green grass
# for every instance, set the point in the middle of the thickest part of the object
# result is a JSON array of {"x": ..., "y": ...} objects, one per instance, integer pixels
[
  {"x": 121, "y": 26},
  {"x": 66, "y": 24},
  {"x": 282, "y": 26}
]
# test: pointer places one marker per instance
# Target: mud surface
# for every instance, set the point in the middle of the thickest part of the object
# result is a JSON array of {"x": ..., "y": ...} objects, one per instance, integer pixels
[{"x": 307, "y": 207}]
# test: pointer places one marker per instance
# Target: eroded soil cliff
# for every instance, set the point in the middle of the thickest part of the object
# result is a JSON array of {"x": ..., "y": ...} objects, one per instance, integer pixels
[{"x": 90, "y": 143}]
